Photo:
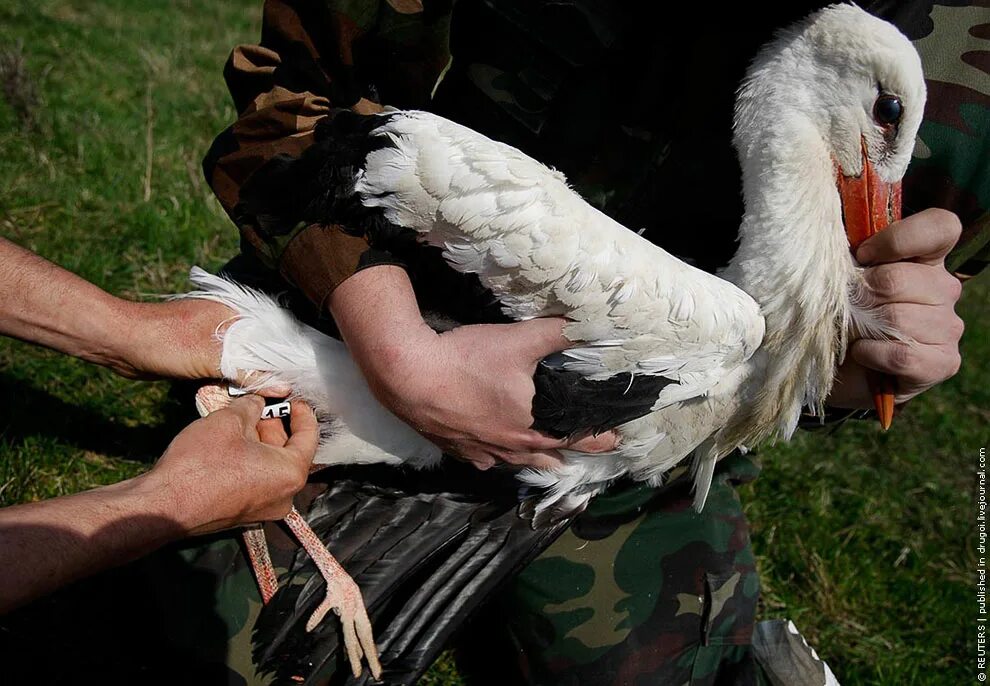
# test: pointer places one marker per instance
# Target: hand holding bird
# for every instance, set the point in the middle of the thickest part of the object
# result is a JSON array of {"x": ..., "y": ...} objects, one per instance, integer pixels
[
  {"x": 253, "y": 460},
  {"x": 469, "y": 390},
  {"x": 907, "y": 281}
]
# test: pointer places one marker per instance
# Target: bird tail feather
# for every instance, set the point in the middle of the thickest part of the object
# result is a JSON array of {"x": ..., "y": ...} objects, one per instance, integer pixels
[{"x": 703, "y": 471}]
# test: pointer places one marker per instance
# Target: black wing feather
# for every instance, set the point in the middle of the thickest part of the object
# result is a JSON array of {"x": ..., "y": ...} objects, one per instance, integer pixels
[
  {"x": 426, "y": 551},
  {"x": 567, "y": 404}
]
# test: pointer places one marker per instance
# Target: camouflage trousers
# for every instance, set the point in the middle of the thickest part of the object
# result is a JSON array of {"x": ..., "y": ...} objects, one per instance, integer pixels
[{"x": 640, "y": 590}]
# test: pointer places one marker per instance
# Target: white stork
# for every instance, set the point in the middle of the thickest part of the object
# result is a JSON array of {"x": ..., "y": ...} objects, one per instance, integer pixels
[{"x": 825, "y": 124}]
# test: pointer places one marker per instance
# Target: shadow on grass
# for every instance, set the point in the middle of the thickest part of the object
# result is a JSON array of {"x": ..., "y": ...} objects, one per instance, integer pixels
[
  {"x": 30, "y": 412},
  {"x": 154, "y": 621}
]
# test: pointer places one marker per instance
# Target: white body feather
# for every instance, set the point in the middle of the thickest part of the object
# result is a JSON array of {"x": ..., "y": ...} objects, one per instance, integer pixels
[
  {"x": 634, "y": 308},
  {"x": 264, "y": 337}
]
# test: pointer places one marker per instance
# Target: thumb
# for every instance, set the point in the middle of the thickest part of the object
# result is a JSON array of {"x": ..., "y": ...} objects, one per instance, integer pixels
[
  {"x": 543, "y": 336},
  {"x": 305, "y": 432},
  {"x": 248, "y": 409}
]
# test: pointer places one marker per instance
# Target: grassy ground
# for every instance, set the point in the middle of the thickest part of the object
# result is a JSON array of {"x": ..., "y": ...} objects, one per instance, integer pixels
[{"x": 863, "y": 538}]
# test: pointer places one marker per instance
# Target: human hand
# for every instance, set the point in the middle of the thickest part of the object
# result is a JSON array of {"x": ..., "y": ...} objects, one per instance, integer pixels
[
  {"x": 470, "y": 390},
  {"x": 232, "y": 468},
  {"x": 907, "y": 280},
  {"x": 176, "y": 340}
]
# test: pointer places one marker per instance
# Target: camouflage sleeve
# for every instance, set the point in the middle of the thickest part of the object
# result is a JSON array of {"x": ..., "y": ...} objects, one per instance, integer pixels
[
  {"x": 951, "y": 165},
  {"x": 281, "y": 88}
]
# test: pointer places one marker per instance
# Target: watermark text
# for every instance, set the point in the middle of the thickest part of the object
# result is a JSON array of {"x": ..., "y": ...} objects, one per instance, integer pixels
[{"x": 982, "y": 544}]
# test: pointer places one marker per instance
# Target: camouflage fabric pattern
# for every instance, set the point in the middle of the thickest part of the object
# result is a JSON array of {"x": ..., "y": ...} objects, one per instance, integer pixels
[
  {"x": 305, "y": 66},
  {"x": 643, "y": 589},
  {"x": 951, "y": 165}
]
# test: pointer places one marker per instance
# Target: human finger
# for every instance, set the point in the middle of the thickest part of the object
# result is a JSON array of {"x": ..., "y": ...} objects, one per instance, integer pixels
[
  {"x": 542, "y": 336},
  {"x": 925, "y": 237},
  {"x": 600, "y": 443},
  {"x": 272, "y": 432},
  {"x": 305, "y": 431},
  {"x": 910, "y": 282},
  {"x": 247, "y": 409},
  {"x": 549, "y": 459},
  {"x": 266, "y": 386},
  {"x": 919, "y": 365},
  {"x": 928, "y": 324},
  {"x": 478, "y": 459}
]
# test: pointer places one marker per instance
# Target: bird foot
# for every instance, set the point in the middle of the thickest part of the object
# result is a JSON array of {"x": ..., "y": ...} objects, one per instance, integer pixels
[
  {"x": 343, "y": 596},
  {"x": 211, "y": 397}
]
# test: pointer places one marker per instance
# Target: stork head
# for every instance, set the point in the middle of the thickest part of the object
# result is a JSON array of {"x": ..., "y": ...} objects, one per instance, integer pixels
[
  {"x": 825, "y": 125},
  {"x": 875, "y": 91},
  {"x": 854, "y": 83}
]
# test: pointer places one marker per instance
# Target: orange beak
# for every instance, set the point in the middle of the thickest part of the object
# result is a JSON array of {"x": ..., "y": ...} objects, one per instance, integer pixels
[{"x": 870, "y": 205}]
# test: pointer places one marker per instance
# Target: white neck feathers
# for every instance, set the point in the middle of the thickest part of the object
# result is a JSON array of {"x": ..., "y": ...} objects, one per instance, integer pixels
[{"x": 793, "y": 257}]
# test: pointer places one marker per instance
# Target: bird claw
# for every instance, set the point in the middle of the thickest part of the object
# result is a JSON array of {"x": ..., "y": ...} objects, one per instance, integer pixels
[{"x": 344, "y": 598}]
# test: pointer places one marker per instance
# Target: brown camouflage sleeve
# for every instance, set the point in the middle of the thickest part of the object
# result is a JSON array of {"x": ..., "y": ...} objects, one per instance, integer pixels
[{"x": 281, "y": 88}]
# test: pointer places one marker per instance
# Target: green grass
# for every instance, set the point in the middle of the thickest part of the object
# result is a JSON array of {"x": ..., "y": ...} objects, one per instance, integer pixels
[
  {"x": 864, "y": 539},
  {"x": 104, "y": 178}
]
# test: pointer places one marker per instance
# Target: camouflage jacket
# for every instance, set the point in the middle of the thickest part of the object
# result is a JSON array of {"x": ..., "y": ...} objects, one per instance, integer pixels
[{"x": 648, "y": 103}]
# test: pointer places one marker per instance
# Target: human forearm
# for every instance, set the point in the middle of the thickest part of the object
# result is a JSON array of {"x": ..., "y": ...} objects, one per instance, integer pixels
[
  {"x": 229, "y": 469},
  {"x": 44, "y": 304},
  {"x": 379, "y": 319},
  {"x": 46, "y": 545}
]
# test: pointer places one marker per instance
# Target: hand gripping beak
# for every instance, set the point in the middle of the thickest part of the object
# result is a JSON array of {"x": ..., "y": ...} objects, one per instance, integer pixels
[{"x": 870, "y": 205}]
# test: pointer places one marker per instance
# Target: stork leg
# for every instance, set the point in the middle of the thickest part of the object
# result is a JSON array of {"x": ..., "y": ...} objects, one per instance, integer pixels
[
  {"x": 343, "y": 595},
  {"x": 261, "y": 561}
]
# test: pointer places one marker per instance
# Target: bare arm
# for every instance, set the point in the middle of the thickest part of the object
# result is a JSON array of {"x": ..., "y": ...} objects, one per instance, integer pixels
[
  {"x": 42, "y": 303},
  {"x": 46, "y": 545},
  {"x": 469, "y": 390},
  {"x": 248, "y": 473}
]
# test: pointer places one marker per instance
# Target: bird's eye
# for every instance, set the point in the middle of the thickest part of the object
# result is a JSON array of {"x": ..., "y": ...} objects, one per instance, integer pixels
[{"x": 887, "y": 110}]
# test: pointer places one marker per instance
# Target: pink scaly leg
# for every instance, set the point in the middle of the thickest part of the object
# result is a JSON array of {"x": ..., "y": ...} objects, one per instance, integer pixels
[
  {"x": 343, "y": 595},
  {"x": 261, "y": 561}
]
